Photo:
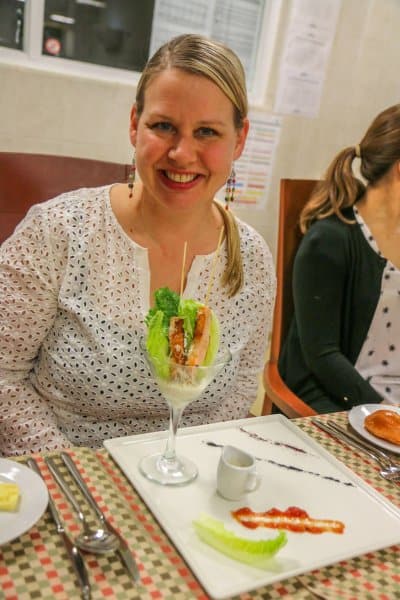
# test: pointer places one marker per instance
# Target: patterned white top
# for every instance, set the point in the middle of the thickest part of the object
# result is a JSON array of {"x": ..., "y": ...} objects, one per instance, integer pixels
[
  {"x": 74, "y": 291},
  {"x": 379, "y": 359}
]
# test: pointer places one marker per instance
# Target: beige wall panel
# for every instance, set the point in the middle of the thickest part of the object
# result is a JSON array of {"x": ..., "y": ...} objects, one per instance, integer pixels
[{"x": 61, "y": 114}]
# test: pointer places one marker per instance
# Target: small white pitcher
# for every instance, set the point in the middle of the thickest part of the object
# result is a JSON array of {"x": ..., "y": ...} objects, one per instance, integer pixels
[{"x": 236, "y": 473}]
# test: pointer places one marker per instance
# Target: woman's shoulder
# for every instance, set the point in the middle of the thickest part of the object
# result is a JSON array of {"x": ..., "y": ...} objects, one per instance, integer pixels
[
  {"x": 252, "y": 242},
  {"x": 256, "y": 254},
  {"x": 60, "y": 221},
  {"x": 333, "y": 228},
  {"x": 258, "y": 266},
  {"x": 68, "y": 203},
  {"x": 63, "y": 213},
  {"x": 334, "y": 239}
]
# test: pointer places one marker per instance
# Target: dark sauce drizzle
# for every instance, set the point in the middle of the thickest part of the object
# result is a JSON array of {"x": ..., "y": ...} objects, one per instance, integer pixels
[
  {"x": 291, "y": 467},
  {"x": 256, "y": 436}
]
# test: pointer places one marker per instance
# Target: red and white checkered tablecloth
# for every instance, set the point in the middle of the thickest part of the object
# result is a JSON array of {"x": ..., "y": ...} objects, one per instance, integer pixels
[{"x": 36, "y": 566}]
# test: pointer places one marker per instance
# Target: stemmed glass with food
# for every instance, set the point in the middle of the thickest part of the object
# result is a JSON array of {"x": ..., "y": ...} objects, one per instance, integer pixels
[{"x": 184, "y": 355}]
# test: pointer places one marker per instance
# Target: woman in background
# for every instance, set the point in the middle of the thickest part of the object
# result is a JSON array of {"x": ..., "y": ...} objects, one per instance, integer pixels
[
  {"x": 78, "y": 276},
  {"x": 343, "y": 347}
]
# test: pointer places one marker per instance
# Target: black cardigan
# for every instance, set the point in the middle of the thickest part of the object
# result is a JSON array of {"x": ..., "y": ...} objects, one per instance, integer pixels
[{"x": 336, "y": 286}]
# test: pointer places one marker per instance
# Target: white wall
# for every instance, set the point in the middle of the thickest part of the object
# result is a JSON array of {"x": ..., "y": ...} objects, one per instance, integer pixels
[
  {"x": 65, "y": 115},
  {"x": 59, "y": 114},
  {"x": 362, "y": 79}
]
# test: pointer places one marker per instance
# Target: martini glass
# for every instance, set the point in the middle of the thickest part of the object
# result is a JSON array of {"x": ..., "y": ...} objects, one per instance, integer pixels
[{"x": 180, "y": 385}]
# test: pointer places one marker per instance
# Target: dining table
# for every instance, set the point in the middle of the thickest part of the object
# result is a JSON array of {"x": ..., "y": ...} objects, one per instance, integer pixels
[{"x": 36, "y": 566}]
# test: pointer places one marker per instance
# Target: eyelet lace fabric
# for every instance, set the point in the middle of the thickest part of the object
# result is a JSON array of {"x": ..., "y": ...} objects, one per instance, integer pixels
[{"x": 74, "y": 291}]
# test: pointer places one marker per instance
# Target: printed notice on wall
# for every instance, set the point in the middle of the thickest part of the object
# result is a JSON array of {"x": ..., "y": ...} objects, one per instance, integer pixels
[
  {"x": 234, "y": 23},
  {"x": 254, "y": 168},
  {"x": 308, "y": 43}
]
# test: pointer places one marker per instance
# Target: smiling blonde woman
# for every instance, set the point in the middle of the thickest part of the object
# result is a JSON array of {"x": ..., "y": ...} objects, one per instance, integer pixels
[{"x": 78, "y": 275}]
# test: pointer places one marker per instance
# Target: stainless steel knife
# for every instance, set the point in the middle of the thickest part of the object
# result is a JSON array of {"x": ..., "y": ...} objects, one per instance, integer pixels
[
  {"x": 73, "y": 552},
  {"x": 344, "y": 437},
  {"x": 123, "y": 551},
  {"x": 362, "y": 441}
]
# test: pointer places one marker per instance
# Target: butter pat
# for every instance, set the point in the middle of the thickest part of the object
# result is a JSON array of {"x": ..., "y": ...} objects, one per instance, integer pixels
[{"x": 9, "y": 496}]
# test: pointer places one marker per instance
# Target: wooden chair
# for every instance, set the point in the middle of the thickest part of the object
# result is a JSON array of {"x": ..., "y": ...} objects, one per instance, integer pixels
[
  {"x": 294, "y": 193},
  {"x": 27, "y": 179}
]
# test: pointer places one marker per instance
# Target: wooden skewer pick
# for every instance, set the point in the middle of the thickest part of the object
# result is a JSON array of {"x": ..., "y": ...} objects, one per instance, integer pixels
[{"x": 183, "y": 269}]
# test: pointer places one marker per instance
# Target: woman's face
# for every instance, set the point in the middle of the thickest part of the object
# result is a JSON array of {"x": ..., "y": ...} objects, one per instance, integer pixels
[{"x": 185, "y": 139}]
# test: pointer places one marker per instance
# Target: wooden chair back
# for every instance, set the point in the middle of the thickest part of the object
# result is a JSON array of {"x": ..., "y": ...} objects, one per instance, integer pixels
[
  {"x": 294, "y": 194},
  {"x": 27, "y": 179}
]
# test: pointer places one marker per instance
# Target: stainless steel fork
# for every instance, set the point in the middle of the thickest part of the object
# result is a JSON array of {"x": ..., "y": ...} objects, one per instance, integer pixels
[
  {"x": 385, "y": 457},
  {"x": 388, "y": 469}
]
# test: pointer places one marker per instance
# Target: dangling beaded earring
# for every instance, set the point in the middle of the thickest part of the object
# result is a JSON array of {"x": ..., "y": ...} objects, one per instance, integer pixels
[
  {"x": 230, "y": 188},
  {"x": 131, "y": 177}
]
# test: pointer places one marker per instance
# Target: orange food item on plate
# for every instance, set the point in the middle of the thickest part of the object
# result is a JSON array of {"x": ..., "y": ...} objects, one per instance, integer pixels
[
  {"x": 293, "y": 519},
  {"x": 384, "y": 424}
]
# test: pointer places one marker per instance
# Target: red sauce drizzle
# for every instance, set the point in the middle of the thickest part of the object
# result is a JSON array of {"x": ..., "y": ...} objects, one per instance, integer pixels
[{"x": 292, "y": 519}]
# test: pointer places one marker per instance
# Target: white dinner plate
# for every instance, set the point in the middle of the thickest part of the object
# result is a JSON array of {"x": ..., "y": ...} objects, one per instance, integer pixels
[
  {"x": 33, "y": 502},
  {"x": 356, "y": 419},
  {"x": 294, "y": 471}
]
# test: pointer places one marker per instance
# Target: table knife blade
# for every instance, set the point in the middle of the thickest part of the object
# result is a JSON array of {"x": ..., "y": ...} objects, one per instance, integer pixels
[
  {"x": 343, "y": 437},
  {"x": 362, "y": 441},
  {"x": 125, "y": 554}
]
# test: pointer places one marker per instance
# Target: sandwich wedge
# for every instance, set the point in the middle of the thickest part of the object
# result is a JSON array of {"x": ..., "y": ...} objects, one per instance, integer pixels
[{"x": 181, "y": 332}]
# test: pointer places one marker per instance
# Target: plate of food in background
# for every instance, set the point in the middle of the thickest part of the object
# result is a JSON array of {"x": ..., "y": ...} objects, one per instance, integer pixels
[{"x": 378, "y": 423}]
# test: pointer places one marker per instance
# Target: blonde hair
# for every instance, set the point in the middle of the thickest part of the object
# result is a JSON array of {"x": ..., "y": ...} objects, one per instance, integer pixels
[
  {"x": 233, "y": 276},
  {"x": 378, "y": 150},
  {"x": 202, "y": 56},
  {"x": 199, "y": 55}
]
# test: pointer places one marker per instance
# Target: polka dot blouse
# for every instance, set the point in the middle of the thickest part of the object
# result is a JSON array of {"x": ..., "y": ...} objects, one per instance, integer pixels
[
  {"x": 379, "y": 358},
  {"x": 74, "y": 291}
]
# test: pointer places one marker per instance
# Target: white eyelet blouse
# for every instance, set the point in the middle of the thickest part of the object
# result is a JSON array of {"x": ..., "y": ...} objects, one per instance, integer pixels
[{"x": 74, "y": 291}]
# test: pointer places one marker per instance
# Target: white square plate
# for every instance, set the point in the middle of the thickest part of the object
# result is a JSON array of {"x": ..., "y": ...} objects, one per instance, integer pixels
[{"x": 295, "y": 471}]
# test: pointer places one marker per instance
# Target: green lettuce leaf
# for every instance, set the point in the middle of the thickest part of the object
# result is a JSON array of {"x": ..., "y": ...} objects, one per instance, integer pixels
[
  {"x": 256, "y": 553},
  {"x": 188, "y": 311},
  {"x": 167, "y": 301},
  {"x": 157, "y": 343}
]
